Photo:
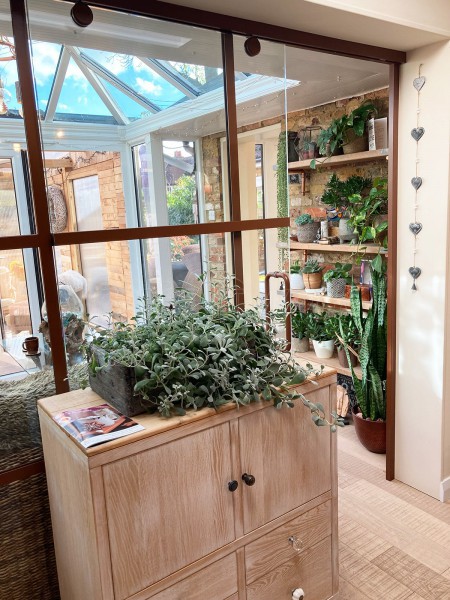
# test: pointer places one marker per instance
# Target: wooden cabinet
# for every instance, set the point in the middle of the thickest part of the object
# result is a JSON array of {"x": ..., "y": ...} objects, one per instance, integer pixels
[{"x": 151, "y": 516}]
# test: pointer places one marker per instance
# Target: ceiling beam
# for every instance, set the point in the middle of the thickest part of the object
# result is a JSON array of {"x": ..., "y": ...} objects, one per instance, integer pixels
[
  {"x": 107, "y": 100},
  {"x": 99, "y": 70},
  {"x": 58, "y": 80},
  {"x": 171, "y": 75}
]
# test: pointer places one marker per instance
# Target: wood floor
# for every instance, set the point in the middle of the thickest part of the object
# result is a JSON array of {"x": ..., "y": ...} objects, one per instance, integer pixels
[{"x": 394, "y": 540}]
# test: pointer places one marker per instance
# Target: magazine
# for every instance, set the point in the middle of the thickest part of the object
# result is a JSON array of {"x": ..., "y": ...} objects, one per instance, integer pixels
[{"x": 96, "y": 424}]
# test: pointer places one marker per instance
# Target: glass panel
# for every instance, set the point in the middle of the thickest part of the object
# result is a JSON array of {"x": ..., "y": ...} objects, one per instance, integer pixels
[
  {"x": 261, "y": 92},
  {"x": 9, "y": 219},
  {"x": 166, "y": 96}
]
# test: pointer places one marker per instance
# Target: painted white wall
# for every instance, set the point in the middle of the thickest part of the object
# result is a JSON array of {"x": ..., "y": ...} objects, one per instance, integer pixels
[
  {"x": 434, "y": 18},
  {"x": 422, "y": 388}
]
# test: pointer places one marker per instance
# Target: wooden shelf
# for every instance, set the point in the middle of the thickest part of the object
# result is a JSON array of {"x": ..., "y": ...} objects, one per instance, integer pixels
[
  {"x": 333, "y": 362},
  {"x": 302, "y": 295},
  {"x": 350, "y": 248},
  {"x": 341, "y": 159}
]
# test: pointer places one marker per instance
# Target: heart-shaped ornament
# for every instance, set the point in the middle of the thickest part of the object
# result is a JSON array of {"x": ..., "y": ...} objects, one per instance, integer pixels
[
  {"x": 417, "y": 133},
  {"x": 419, "y": 82},
  {"x": 415, "y": 228},
  {"x": 415, "y": 272},
  {"x": 416, "y": 182}
]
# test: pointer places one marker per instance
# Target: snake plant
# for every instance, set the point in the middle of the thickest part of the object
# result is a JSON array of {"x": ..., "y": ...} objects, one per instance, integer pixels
[{"x": 370, "y": 390}]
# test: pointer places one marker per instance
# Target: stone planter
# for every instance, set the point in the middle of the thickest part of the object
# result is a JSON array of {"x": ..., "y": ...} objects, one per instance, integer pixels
[
  {"x": 336, "y": 287},
  {"x": 297, "y": 282},
  {"x": 354, "y": 143},
  {"x": 300, "y": 344},
  {"x": 308, "y": 232},
  {"x": 312, "y": 281},
  {"x": 323, "y": 349},
  {"x": 346, "y": 232},
  {"x": 371, "y": 434}
]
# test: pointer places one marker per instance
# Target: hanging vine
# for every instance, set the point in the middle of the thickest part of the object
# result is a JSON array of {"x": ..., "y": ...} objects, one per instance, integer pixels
[{"x": 282, "y": 198}]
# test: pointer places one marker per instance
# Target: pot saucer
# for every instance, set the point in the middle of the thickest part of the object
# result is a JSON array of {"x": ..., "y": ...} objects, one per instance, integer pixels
[{"x": 32, "y": 353}]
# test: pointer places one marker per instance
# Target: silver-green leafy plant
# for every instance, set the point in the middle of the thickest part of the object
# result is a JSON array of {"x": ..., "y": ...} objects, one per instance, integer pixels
[{"x": 185, "y": 359}]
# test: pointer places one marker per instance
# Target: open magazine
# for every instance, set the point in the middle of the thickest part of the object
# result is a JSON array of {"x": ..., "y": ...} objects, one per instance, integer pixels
[{"x": 96, "y": 424}]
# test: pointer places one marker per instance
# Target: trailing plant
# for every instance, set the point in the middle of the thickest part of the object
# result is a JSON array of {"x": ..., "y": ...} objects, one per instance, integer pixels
[
  {"x": 363, "y": 209},
  {"x": 339, "y": 271},
  {"x": 338, "y": 191},
  {"x": 370, "y": 390},
  {"x": 282, "y": 198},
  {"x": 337, "y": 134},
  {"x": 304, "y": 219},
  {"x": 295, "y": 268},
  {"x": 184, "y": 359},
  {"x": 312, "y": 266}
]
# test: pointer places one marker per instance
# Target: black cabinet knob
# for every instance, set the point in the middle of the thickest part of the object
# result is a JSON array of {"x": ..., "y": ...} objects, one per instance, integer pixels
[
  {"x": 233, "y": 485},
  {"x": 248, "y": 479}
]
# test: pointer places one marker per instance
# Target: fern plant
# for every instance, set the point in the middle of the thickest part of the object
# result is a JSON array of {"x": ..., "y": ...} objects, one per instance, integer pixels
[{"x": 370, "y": 390}]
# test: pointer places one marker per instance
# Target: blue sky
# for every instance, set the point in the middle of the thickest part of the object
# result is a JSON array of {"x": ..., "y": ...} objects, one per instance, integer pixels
[{"x": 77, "y": 95}]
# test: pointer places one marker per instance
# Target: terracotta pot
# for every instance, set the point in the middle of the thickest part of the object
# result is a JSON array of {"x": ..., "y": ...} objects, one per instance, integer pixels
[
  {"x": 364, "y": 288},
  {"x": 371, "y": 434},
  {"x": 343, "y": 359},
  {"x": 312, "y": 281}
]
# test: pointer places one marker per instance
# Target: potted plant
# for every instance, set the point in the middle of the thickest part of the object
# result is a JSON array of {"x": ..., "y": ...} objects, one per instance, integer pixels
[
  {"x": 337, "y": 278},
  {"x": 370, "y": 390},
  {"x": 347, "y": 133},
  {"x": 299, "y": 323},
  {"x": 368, "y": 216},
  {"x": 321, "y": 335},
  {"x": 307, "y": 228},
  {"x": 347, "y": 335},
  {"x": 336, "y": 195},
  {"x": 296, "y": 276},
  {"x": 312, "y": 274}
]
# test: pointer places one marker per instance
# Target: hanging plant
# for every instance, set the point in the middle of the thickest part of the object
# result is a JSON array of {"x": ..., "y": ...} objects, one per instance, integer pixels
[{"x": 282, "y": 198}]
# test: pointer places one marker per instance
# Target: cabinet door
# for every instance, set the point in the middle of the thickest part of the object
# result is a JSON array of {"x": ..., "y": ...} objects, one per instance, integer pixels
[
  {"x": 167, "y": 507},
  {"x": 288, "y": 456}
]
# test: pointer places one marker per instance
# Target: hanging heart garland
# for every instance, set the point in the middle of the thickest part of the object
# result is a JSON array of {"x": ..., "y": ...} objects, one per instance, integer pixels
[{"x": 417, "y": 134}]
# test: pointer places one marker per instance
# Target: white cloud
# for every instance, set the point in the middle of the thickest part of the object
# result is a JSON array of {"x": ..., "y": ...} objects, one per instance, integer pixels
[
  {"x": 45, "y": 59},
  {"x": 148, "y": 87}
]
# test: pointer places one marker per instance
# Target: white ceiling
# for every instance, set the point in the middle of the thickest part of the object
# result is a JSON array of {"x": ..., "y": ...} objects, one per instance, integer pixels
[{"x": 305, "y": 15}]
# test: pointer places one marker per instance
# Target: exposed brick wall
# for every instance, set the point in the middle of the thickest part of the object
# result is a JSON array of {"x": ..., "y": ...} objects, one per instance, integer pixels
[{"x": 108, "y": 168}]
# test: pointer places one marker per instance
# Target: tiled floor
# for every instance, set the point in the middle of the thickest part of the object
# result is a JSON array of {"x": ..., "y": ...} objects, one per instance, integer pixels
[{"x": 394, "y": 540}]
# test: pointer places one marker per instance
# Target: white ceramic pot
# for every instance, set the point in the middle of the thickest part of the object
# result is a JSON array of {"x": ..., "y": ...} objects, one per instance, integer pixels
[
  {"x": 297, "y": 282},
  {"x": 323, "y": 349}
]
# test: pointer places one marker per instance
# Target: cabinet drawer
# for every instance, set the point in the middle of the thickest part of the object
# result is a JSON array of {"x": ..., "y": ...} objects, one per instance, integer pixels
[
  {"x": 275, "y": 548},
  {"x": 218, "y": 582},
  {"x": 310, "y": 570}
]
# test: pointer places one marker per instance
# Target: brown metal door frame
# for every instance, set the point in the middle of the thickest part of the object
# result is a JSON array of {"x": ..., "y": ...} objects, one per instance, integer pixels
[{"x": 45, "y": 241}]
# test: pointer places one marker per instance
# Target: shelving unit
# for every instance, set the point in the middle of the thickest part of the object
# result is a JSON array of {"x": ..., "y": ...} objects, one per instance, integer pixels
[
  {"x": 302, "y": 295},
  {"x": 310, "y": 357},
  {"x": 341, "y": 159},
  {"x": 350, "y": 248}
]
